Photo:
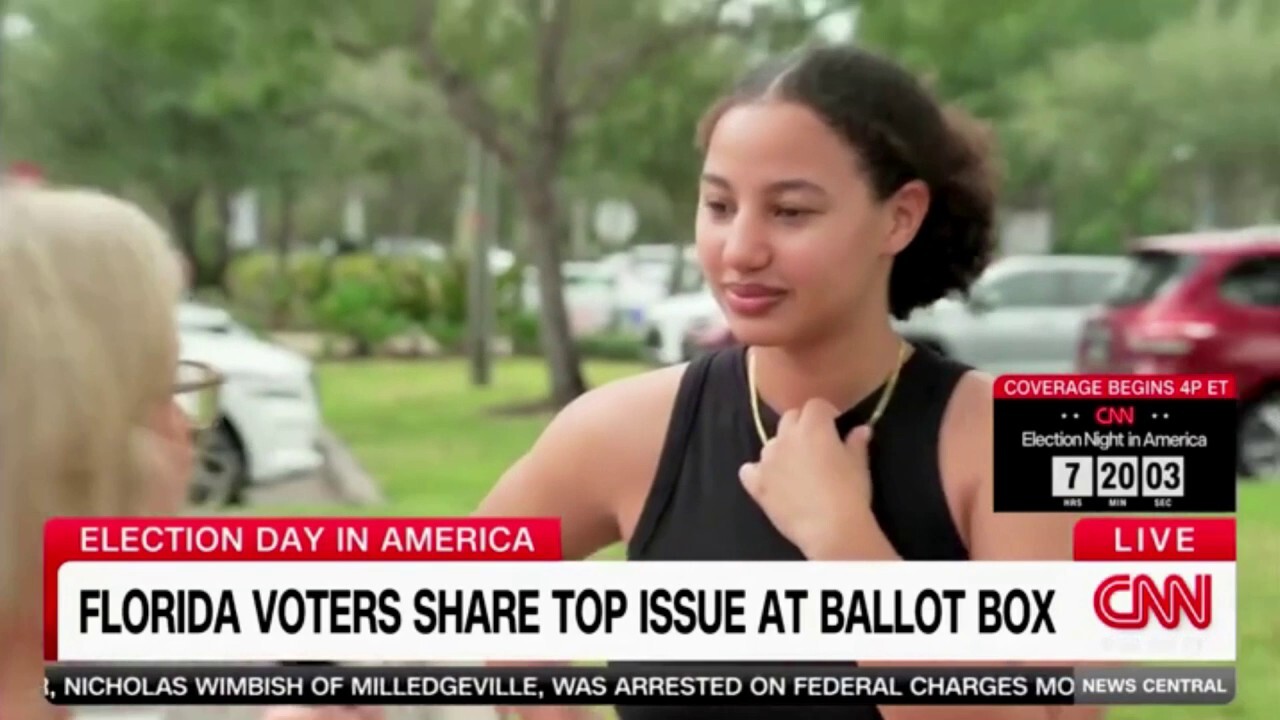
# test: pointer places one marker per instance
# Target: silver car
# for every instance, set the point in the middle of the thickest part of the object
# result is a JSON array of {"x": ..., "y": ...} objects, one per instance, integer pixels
[{"x": 1025, "y": 314}]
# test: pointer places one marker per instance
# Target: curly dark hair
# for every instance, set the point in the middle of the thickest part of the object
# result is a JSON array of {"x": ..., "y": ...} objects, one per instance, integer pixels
[{"x": 900, "y": 133}]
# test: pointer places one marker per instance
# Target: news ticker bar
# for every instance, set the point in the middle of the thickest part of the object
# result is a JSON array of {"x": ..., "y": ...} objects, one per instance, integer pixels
[
  {"x": 1108, "y": 444},
  {"x": 705, "y": 685}
]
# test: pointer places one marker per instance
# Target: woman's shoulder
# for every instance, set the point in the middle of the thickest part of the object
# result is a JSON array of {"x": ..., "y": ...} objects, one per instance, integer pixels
[
  {"x": 970, "y": 409},
  {"x": 964, "y": 451},
  {"x": 645, "y": 390},
  {"x": 966, "y": 438},
  {"x": 968, "y": 421},
  {"x": 653, "y": 395},
  {"x": 593, "y": 461},
  {"x": 639, "y": 396},
  {"x": 968, "y": 448}
]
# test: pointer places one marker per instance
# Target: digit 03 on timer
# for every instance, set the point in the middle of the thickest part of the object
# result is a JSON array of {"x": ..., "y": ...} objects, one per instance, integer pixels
[{"x": 1115, "y": 443}]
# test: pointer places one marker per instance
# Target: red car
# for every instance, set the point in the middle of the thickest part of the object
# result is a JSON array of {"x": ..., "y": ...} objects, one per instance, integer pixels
[{"x": 1202, "y": 303}]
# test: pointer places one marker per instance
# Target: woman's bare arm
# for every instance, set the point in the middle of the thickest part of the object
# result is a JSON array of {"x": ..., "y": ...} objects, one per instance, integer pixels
[{"x": 593, "y": 464}]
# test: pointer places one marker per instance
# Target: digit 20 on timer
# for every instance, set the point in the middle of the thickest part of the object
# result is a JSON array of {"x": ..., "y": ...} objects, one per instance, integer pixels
[{"x": 1119, "y": 477}]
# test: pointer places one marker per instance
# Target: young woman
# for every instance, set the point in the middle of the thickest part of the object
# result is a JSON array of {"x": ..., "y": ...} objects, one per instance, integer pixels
[
  {"x": 90, "y": 422},
  {"x": 836, "y": 194}
]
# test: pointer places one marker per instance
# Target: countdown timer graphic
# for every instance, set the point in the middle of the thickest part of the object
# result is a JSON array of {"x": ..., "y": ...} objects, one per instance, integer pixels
[{"x": 1125, "y": 443}]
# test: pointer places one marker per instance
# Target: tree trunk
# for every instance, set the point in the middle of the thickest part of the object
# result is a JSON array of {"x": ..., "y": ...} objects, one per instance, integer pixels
[
  {"x": 1207, "y": 201},
  {"x": 675, "y": 284},
  {"x": 222, "y": 238},
  {"x": 181, "y": 209},
  {"x": 284, "y": 242},
  {"x": 4, "y": 13},
  {"x": 288, "y": 220},
  {"x": 554, "y": 335}
]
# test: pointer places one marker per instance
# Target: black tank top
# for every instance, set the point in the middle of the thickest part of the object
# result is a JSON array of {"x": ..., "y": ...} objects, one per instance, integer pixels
[{"x": 698, "y": 510}]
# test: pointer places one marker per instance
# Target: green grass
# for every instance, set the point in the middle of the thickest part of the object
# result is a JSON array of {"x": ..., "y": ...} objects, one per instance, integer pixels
[
  {"x": 432, "y": 440},
  {"x": 436, "y": 445}
]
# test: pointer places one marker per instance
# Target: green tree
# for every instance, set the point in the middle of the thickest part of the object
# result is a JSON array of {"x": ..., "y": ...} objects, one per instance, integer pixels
[
  {"x": 646, "y": 137},
  {"x": 173, "y": 98},
  {"x": 976, "y": 53},
  {"x": 523, "y": 79},
  {"x": 1161, "y": 134}
]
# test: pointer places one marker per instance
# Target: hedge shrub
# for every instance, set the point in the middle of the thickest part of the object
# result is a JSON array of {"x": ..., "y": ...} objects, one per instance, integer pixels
[{"x": 363, "y": 297}]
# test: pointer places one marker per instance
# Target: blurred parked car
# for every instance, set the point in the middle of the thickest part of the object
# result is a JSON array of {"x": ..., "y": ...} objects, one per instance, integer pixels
[
  {"x": 670, "y": 321},
  {"x": 501, "y": 260},
  {"x": 196, "y": 317},
  {"x": 707, "y": 334},
  {"x": 1025, "y": 314},
  {"x": 643, "y": 280},
  {"x": 270, "y": 423},
  {"x": 588, "y": 295},
  {"x": 1202, "y": 303},
  {"x": 619, "y": 291}
]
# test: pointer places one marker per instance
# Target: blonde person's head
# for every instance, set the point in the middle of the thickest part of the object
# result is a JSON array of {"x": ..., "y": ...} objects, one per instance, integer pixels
[{"x": 88, "y": 353}]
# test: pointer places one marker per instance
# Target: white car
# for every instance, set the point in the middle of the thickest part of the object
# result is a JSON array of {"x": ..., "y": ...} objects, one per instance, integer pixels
[
  {"x": 642, "y": 280},
  {"x": 194, "y": 317},
  {"x": 618, "y": 291},
  {"x": 670, "y": 322},
  {"x": 588, "y": 295},
  {"x": 270, "y": 422},
  {"x": 501, "y": 260},
  {"x": 1025, "y": 314}
]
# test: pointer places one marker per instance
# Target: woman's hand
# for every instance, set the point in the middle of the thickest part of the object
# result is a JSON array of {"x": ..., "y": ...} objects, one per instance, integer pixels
[
  {"x": 324, "y": 713},
  {"x": 816, "y": 488}
]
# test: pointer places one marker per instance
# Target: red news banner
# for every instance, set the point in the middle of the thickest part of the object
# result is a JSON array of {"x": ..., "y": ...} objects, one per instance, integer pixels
[
  {"x": 1115, "y": 443},
  {"x": 125, "y": 540}
]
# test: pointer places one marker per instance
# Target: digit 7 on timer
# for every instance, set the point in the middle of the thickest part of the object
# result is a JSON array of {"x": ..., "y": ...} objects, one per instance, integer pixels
[{"x": 1115, "y": 443}]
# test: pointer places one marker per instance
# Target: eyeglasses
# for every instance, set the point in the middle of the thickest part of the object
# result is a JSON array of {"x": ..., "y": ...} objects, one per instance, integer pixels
[{"x": 197, "y": 391}]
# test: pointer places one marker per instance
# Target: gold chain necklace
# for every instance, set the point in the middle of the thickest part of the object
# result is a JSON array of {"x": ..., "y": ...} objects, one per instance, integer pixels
[{"x": 875, "y": 414}]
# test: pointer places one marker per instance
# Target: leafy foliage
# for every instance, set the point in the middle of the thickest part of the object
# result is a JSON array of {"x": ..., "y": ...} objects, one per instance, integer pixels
[
  {"x": 1123, "y": 118},
  {"x": 1130, "y": 130}
]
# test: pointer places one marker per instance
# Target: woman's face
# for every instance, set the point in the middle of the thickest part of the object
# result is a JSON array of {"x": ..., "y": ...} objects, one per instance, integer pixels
[{"x": 789, "y": 232}]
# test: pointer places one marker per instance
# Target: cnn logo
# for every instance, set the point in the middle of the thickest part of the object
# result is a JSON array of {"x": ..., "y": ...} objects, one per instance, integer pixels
[{"x": 1170, "y": 603}]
